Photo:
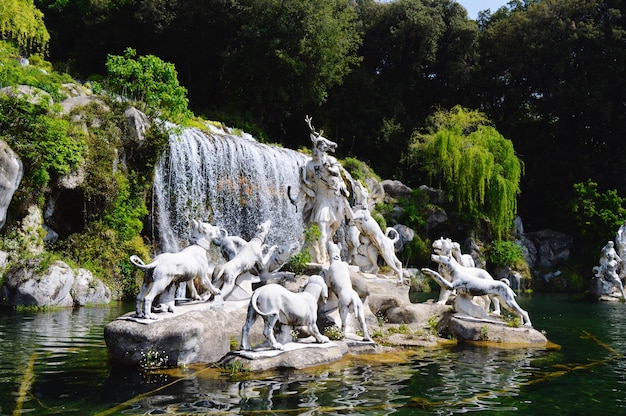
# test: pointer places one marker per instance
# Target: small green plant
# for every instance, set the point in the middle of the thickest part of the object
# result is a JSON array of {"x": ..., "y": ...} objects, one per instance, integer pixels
[
  {"x": 333, "y": 333},
  {"x": 512, "y": 321},
  {"x": 484, "y": 333},
  {"x": 400, "y": 329},
  {"x": 234, "y": 345},
  {"x": 432, "y": 323},
  {"x": 299, "y": 261},
  {"x": 153, "y": 359}
]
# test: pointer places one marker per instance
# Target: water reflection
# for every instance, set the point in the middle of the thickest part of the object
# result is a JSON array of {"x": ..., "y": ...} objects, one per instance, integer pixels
[{"x": 71, "y": 374}]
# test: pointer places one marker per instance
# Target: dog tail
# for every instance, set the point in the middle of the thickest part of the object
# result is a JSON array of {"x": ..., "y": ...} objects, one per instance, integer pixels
[
  {"x": 394, "y": 239},
  {"x": 140, "y": 264},
  {"x": 253, "y": 299}
]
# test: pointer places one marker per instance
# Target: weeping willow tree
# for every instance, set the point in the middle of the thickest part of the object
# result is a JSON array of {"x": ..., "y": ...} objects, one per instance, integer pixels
[
  {"x": 22, "y": 23},
  {"x": 473, "y": 163}
]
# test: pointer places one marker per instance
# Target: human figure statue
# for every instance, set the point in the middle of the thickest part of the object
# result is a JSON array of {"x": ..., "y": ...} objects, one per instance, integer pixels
[
  {"x": 620, "y": 246},
  {"x": 324, "y": 191},
  {"x": 610, "y": 262}
]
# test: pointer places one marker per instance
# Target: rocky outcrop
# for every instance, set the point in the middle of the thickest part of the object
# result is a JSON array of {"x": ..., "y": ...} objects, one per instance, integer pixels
[
  {"x": 11, "y": 171},
  {"x": 465, "y": 328},
  {"x": 59, "y": 286}
]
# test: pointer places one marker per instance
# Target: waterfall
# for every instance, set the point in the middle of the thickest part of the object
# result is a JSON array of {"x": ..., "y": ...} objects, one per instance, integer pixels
[{"x": 228, "y": 180}]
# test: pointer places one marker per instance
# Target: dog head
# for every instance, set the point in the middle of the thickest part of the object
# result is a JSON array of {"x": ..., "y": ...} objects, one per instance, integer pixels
[
  {"x": 319, "y": 280},
  {"x": 442, "y": 246},
  {"x": 204, "y": 230},
  {"x": 263, "y": 229},
  {"x": 334, "y": 251},
  {"x": 441, "y": 259},
  {"x": 281, "y": 256}
]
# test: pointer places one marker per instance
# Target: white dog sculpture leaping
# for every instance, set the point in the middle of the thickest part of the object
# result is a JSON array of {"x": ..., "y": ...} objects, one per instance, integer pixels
[
  {"x": 276, "y": 304},
  {"x": 170, "y": 268},
  {"x": 250, "y": 256},
  {"x": 467, "y": 284}
]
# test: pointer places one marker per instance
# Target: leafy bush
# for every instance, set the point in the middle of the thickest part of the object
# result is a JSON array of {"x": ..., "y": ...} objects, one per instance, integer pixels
[
  {"x": 151, "y": 83},
  {"x": 48, "y": 146},
  {"x": 504, "y": 253}
]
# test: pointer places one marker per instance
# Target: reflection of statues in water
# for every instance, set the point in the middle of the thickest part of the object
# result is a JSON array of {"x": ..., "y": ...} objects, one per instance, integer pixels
[
  {"x": 610, "y": 262},
  {"x": 325, "y": 192}
]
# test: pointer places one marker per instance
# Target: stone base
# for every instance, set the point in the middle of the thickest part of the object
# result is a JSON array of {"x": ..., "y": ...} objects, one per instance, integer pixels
[
  {"x": 492, "y": 330},
  {"x": 297, "y": 355}
]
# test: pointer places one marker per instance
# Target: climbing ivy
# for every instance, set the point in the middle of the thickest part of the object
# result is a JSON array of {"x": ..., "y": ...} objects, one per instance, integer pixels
[{"x": 473, "y": 163}]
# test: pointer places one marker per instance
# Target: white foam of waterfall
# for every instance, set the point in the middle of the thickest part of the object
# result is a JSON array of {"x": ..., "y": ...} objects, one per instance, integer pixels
[{"x": 227, "y": 180}]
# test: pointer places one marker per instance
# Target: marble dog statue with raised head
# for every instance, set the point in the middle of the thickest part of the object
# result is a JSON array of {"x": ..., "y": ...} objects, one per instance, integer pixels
[
  {"x": 339, "y": 282},
  {"x": 171, "y": 268},
  {"x": 279, "y": 306},
  {"x": 466, "y": 283},
  {"x": 250, "y": 256}
]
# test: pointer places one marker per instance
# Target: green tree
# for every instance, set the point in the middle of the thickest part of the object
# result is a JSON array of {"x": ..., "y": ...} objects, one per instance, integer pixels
[
  {"x": 552, "y": 79},
  {"x": 417, "y": 55},
  {"x": 151, "y": 83},
  {"x": 598, "y": 214},
  {"x": 21, "y": 22},
  {"x": 473, "y": 163},
  {"x": 286, "y": 55}
]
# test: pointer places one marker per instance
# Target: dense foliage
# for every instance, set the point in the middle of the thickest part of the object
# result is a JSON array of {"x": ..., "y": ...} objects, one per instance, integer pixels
[
  {"x": 22, "y": 23},
  {"x": 151, "y": 83},
  {"x": 473, "y": 163},
  {"x": 548, "y": 74}
]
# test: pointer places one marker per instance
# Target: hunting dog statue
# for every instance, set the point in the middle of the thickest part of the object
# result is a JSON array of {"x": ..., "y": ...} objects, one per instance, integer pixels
[
  {"x": 447, "y": 247},
  {"x": 466, "y": 282},
  {"x": 279, "y": 306},
  {"x": 339, "y": 282},
  {"x": 249, "y": 257},
  {"x": 171, "y": 268}
]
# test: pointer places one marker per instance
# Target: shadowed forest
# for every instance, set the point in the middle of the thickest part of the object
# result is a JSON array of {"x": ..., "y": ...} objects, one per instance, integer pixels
[{"x": 548, "y": 76}]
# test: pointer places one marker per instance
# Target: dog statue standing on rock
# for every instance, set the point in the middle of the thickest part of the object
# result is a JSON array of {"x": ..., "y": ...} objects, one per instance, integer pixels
[
  {"x": 278, "y": 305},
  {"x": 338, "y": 280},
  {"x": 170, "y": 268}
]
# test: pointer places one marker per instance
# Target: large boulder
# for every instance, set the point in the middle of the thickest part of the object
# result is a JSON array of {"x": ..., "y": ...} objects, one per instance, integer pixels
[
  {"x": 11, "y": 171},
  {"x": 552, "y": 247},
  {"x": 59, "y": 285},
  {"x": 24, "y": 287},
  {"x": 465, "y": 328},
  {"x": 194, "y": 333}
]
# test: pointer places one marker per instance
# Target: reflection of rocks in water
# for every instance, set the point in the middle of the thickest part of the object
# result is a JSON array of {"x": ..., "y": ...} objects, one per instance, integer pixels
[{"x": 451, "y": 376}]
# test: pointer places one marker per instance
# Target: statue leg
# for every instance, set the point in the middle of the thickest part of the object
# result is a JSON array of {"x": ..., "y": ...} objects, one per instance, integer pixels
[{"x": 268, "y": 331}]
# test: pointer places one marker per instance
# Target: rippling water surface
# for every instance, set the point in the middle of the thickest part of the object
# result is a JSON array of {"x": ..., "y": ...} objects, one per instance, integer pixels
[{"x": 56, "y": 363}]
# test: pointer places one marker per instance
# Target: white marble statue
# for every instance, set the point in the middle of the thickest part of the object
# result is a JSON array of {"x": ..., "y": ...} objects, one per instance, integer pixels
[
  {"x": 324, "y": 191},
  {"x": 279, "y": 306},
  {"x": 169, "y": 269},
  {"x": 339, "y": 282},
  {"x": 447, "y": 247},
  {"x": 467, "y": 283},
  {"x": 610, "y": 263},
  {"x": 250, "y": 256}
]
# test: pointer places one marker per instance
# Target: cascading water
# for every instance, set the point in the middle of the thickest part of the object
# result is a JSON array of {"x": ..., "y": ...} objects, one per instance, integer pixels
[{"x": 227, "y": 180}]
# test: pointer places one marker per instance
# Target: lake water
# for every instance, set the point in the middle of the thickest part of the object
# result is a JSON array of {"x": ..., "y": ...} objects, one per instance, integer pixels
[{"x": 56, "y": 363}]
